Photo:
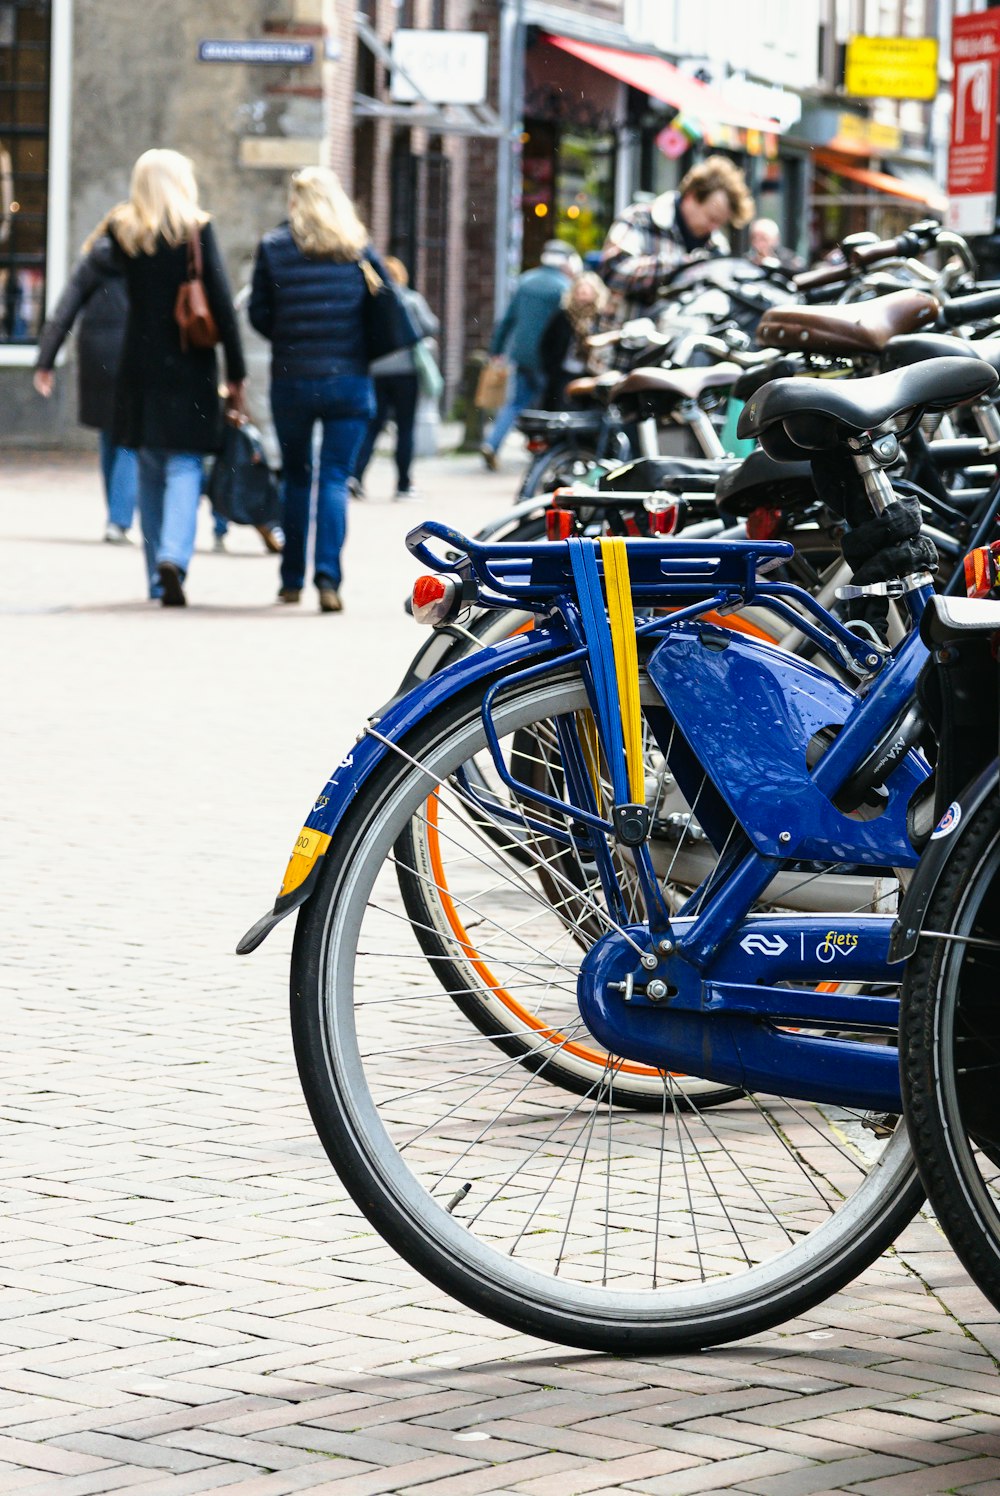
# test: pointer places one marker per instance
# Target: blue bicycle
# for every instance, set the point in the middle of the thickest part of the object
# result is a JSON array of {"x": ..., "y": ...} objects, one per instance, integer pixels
[{"x": 508, "y": 840}]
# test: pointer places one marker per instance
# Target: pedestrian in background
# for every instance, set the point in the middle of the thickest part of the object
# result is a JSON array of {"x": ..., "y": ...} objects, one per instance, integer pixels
[
  {"x": 518, "y": 334},
  {"x": 96, "y": 294},
  {"x": 649, "y": 242},
  {"x": 167, "y": 397},
  {"x": 765, "y": 244},
  {"x": 312, "y": 278},
  {"x": 563, "y": 349},
  {"x": 396, "y": 390}
]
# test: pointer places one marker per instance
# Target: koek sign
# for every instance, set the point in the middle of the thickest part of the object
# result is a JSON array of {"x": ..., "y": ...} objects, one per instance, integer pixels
[{"x": 284, "y": 54}]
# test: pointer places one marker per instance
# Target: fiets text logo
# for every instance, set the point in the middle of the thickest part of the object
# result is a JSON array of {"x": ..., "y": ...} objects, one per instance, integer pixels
[{"x": 835, "y": 944}]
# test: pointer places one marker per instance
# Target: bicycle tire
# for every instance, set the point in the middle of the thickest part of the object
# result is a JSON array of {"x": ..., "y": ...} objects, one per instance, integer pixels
[
  {"x": 731, "y": 1267},
  {"x": 949, "y": 1063},
  {"x": 564, "y": 462}
]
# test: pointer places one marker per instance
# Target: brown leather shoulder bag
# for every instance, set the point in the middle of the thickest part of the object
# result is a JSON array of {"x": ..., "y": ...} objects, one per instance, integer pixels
[{"x": 192, "y": 312}]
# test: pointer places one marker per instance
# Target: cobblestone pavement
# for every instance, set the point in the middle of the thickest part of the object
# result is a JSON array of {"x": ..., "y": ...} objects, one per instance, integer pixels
[{"x": 189, "y": 1301}]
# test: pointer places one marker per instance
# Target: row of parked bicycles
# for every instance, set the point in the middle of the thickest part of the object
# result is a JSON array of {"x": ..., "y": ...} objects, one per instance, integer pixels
[{"x": 645, "y": 972}]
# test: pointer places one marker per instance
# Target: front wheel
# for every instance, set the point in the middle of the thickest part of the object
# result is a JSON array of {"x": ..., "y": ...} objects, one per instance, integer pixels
[
  {"x": 556, "y": 1212},
  {"x": 950, "y": 1048}
]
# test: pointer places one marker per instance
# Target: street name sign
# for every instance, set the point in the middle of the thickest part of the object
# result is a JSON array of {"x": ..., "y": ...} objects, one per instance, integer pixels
[{"x": 258, "y": 50}]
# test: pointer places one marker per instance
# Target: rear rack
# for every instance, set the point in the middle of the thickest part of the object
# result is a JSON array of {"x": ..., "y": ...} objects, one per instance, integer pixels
[{"x": 533, "y": 574}]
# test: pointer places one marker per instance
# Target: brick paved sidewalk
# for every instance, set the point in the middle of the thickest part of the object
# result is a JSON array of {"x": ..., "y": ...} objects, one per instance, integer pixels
[{"x": 189, "y": 1301}]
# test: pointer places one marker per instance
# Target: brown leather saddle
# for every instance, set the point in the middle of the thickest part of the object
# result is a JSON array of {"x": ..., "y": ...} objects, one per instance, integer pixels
[
  {"x": 861, "y": 327},
  {"x": 677, "y": 384},
  {"x": 593, "y": 386}
]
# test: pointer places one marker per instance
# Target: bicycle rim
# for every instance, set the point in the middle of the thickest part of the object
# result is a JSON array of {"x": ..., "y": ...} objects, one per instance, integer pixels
[{"x": 560, "y": 1214}]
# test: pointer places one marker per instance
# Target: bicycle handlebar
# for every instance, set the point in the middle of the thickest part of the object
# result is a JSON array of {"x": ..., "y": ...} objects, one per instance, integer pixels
[
  {"x": 811, "y": 280},
  {"x": 901, "y": 247},
  {"x": 980, "y": 307}
]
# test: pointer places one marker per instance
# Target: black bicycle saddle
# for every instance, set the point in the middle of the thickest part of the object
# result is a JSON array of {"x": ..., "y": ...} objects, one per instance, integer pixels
[
  {"x": 760, "y": 480},
  {"x": 817, "y": 414}
]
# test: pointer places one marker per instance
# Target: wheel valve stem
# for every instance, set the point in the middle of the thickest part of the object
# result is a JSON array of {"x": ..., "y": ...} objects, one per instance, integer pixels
[{"x": 458, "y": 1197}]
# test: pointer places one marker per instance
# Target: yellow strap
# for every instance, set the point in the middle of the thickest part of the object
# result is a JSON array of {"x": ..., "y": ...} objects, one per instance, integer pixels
[{"x": 621, "y": 617}]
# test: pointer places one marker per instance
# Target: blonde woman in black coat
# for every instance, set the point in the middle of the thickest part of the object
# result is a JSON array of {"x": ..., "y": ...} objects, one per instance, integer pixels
[{"x": 166, "y": 399}]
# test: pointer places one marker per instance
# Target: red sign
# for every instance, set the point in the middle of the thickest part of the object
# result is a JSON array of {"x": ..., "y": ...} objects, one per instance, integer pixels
[{"x": 972, "y": 155}]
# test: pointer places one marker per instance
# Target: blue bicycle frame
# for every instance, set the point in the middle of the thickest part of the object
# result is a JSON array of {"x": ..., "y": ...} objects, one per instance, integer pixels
[{"x": 741, "y": 999}]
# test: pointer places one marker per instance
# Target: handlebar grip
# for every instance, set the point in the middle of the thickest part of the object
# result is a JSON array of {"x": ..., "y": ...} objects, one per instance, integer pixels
[
  {"x": 829, "y": 276},
  {"x": 885, "y": 249},
  {"x": 979, "y": 307}
]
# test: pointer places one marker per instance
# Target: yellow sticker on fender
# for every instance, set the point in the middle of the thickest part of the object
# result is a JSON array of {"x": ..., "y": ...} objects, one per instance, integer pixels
[{"x": 309, "y": 845}]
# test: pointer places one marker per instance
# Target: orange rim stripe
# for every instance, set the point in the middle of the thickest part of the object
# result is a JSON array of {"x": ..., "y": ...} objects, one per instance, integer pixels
[{"x": 579, "y": 1051}]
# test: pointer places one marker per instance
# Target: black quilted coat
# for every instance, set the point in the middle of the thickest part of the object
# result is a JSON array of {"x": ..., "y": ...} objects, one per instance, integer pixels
[{"x": 313, "y": 310}]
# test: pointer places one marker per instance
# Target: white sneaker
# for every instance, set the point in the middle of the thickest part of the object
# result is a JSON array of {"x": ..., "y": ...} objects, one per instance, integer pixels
[
  {"x": 115, "y": 535},
  {"x": 407, "y": 495}
]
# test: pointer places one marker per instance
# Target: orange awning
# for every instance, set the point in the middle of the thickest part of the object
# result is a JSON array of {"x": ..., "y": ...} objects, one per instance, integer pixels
[
  {"x": 659, "y": 78},
  {"x": 881, "y": 181}
]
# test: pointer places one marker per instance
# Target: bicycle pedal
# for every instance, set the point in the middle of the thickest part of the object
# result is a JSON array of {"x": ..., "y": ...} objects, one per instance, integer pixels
[{"x": 882, "y": 1124}]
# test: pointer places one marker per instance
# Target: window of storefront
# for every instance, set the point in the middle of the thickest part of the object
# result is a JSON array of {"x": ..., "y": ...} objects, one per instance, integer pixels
[
  {"x": 34, "y": 42},
  {"x": 573, "y": 116},
  {"x": 568, "y": 186}
]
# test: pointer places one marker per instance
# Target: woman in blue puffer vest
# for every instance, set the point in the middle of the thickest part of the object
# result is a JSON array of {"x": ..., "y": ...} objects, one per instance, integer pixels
[{"x": 309, "y": 294}]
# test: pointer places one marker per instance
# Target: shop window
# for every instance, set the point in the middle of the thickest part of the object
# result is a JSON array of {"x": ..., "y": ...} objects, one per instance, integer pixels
[
  {"x": 567, "y": 186},
  {"x": 25, "y": 68}
]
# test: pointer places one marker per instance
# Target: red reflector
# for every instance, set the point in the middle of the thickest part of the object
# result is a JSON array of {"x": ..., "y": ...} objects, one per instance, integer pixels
[
  {"x": 427, "y": 591},
  {"x": 536, "y": 444},
  {"x": 764, "y": 523},
  {"x": 663, "y": 519},
  {"x": 981, "y": 567},
  {"x": 436, "y": 599},
  {"x": 558, "y": 524}
]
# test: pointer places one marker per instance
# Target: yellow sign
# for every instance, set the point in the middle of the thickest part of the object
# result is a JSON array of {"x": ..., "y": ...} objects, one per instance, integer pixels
[
  {"x": 869, "y": 136},
  {"x": 892, "y": 67}
]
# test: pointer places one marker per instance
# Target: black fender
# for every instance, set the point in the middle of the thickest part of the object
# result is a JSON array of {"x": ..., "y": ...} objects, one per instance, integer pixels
[{"x": 944, "y": 842}]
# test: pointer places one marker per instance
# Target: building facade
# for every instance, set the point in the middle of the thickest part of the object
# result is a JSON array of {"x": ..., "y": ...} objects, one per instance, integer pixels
[{"x": 582, "y": 104}]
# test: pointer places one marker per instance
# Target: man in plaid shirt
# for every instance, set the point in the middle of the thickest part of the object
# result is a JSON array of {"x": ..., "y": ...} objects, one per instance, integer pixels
[{"x": 649, "y": 242}]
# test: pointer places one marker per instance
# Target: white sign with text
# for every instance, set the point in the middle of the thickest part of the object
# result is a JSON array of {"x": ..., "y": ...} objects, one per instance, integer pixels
[{"x": 448, "y": 67}]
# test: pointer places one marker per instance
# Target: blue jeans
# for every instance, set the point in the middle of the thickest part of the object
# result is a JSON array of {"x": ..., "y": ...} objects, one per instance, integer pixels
[
  {"x": 529, "y": 387},
  {"x": 395, "y": 400},
  {"x": 343, "y": 404},
  {"x": 120, "y": 472},
  {"x": 169, "y": 490}
]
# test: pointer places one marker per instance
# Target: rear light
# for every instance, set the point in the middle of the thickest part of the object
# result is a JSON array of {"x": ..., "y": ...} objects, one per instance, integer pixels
[
  {"x": 663, "y": 516},
  {"x": 536, "y": 444},
  {"x": 981, "y": 567},
  {"x": 435, "y": 599},
  {"x": 765, "y": 523},
  {"x": 558, "y": 524}
]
